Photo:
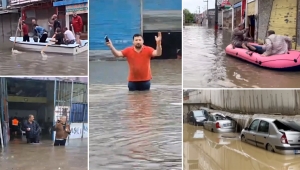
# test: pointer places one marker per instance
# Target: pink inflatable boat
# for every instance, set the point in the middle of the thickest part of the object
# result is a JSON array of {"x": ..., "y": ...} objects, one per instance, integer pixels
[{"x": 283, "y": 61}]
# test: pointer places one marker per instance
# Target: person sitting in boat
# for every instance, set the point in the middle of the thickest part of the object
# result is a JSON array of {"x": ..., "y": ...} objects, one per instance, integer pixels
[
  {"x": 69, "y": 36},
  {"x": 239, "y": 40},
  {"x": 41, "y": 33},
  {"x": 274, "y": 45},
  {"x": 58, "y": 37}
]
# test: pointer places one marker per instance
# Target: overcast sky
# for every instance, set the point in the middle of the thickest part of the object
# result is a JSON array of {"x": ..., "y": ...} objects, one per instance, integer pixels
[{"x": 193, "y": 5}]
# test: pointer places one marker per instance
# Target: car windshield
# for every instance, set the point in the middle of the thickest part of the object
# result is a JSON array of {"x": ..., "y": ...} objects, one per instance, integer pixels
[{"x": 199, "y": 113}]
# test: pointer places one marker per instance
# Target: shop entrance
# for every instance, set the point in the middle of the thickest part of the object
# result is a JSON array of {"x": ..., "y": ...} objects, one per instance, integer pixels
[{"x": 29, "y": 97}]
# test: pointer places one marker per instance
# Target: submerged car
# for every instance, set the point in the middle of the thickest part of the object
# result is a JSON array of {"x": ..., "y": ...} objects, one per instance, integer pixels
[
  {"x": 274, "y": 135},
  {"x": 219, "y": 123},
  {"x": 197, "y": 117}
]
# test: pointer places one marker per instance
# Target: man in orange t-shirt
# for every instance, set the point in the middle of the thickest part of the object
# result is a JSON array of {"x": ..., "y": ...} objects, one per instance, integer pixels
[{"x": 138, "y": 58}]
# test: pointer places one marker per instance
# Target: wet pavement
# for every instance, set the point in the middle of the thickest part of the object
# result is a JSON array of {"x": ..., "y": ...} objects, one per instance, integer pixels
[
  {"x": 204, "y": 150},
  {"x": 22, "y": 156},
  {"x": 33, "y": 63},
  {"x": 205, "y": 64},
  {"x": 135, "y": 130}
]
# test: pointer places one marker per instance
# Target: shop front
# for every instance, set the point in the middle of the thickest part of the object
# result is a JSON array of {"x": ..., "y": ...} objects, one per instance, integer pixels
[{"x": 82, "y": 11}]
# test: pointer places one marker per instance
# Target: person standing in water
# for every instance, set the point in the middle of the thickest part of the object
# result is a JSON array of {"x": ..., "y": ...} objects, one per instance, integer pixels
[
  {"x": 77, "y": 25},
  {"x": 138, "y": 58},
  {"x": 32, "y": 129},
  {"x": 62, "y": 131}
]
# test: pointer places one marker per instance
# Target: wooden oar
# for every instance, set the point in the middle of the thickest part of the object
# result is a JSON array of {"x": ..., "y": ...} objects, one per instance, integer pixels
[
  {"x": 44, "y": 48},
  {"x": 12, "y": 50}
]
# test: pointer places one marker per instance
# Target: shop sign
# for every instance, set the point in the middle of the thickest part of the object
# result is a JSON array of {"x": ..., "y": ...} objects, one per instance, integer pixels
[
  {"x": 19, "y": 2},
  {"x": 79, "y": 8}
]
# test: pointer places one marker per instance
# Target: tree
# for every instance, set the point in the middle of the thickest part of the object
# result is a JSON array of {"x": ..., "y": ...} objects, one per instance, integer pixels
[{"x": 188, "y": 16}]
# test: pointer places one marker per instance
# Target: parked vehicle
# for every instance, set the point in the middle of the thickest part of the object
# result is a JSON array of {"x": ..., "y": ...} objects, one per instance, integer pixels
[
  {"x": 219, "y": 123},
  {"x": 197, "y": 117},
  {"x": 274, "y": 135}
]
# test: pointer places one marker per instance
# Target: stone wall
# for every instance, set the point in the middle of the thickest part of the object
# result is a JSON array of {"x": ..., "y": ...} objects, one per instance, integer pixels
[{"x": 264, "y": 13}]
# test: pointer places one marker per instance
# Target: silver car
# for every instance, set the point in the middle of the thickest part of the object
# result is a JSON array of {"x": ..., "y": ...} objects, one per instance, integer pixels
[
  {"x": 275, "y": 135},
  {"x": 219, "y": 123}
]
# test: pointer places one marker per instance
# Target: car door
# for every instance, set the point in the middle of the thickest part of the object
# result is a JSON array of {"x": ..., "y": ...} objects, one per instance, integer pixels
[
  {"x": 190, "y": 116},
  {"x": 262, "y": 134},
  {"x": 251, "y": 132},
  {"x": 208, "y": 123}
]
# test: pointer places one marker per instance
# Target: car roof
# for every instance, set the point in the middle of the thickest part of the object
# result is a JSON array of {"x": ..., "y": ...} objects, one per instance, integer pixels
[
  {"x": 217, "y": 113},
  {"x": 266, "y": 119}
]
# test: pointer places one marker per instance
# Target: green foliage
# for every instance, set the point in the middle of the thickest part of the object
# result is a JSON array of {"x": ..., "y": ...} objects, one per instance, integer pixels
[{"x": 189, "y": 17}]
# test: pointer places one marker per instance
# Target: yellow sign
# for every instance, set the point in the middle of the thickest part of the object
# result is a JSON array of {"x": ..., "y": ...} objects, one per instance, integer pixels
[{"x": 27, "y": 99}]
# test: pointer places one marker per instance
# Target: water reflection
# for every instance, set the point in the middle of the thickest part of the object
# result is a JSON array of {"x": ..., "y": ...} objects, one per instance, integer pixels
[
  {"x": 212, "y": 152},
  {"x": 138, "y": 130},
  {"x": 21, "y": 156},
  {"x": 205, "y": 64}
]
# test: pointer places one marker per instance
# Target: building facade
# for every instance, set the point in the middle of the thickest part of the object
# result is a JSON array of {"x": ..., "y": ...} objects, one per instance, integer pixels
[
  {"x": 81, "y": 7},
  {"x": 121, "y": 22},
  {"x": 281, "y": 16}
]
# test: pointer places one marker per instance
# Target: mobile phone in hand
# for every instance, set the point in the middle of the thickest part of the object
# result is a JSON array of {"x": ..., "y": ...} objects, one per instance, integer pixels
[{"x": 106, "y": 38}]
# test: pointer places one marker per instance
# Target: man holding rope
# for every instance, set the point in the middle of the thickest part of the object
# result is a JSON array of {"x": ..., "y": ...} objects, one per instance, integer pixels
[{"x": 138, "y": 58}]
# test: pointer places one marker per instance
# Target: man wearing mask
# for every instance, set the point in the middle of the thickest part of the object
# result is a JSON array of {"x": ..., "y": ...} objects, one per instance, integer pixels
[
  {"x": 32, "y": 129},
  {"x": 77, "y": 26},
  {"x": 62, "y": 131}
]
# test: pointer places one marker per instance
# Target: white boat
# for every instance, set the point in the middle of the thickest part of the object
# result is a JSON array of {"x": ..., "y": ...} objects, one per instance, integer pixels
[{"x": 72, "y": 49}]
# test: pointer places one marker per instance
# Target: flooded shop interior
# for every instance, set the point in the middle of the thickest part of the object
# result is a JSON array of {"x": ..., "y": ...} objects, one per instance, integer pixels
[{"x": 46, "y": 100}]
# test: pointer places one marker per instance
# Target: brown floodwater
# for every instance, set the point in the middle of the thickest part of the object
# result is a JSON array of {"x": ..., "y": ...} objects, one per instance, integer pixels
[
  {"x": 33, "y": 63},
  {"x": 205, "y": 64},
  {"x": 204, "y": 150},
  {"x": 19, "y": 155}
]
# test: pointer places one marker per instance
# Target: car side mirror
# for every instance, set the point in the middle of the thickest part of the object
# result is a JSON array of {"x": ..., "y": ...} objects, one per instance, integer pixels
[
  {"x": 205, "y": 120},
  {"x": 246, "y": 128}
]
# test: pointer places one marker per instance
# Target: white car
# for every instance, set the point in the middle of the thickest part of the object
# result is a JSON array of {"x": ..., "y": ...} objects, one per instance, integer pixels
[
  {"x": 219, "y": 123},
  {"x": 275, "y": 135}
]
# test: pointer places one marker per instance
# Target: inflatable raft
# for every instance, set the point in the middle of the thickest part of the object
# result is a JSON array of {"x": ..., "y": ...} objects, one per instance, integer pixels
[{"x": 282, "y": 61}]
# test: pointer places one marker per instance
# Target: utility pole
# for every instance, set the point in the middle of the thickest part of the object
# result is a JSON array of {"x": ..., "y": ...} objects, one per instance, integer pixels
[
  {"x": 216, "y": 15},
  {"x": 206, "y": 10}
]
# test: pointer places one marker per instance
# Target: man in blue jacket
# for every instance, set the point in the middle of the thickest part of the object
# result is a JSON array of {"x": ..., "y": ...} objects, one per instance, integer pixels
[
  {"x": 41, "y": 33},
  {"x": 32, "y": 129}
]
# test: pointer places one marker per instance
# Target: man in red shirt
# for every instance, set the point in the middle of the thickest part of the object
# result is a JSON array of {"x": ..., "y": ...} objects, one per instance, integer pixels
[
  {"x": 25, "y": 31},
  {"x": 77, "y": 26},
  {"x": 138, "y": 58}
]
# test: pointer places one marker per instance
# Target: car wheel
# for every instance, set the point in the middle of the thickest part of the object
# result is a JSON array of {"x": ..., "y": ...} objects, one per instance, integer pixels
[
  {"x": 269, "y": 148},
  {"x": 243, "y": 138}
]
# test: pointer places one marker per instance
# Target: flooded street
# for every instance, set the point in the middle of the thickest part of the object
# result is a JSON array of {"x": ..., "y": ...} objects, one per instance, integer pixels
[
  {"x": 205, "y": 64},
  {"x": 33, "y": 63},
  {"x": 135, "y": 130},
  {"x": 21, "y": 156},
  {"x": 204, "y": 150}
]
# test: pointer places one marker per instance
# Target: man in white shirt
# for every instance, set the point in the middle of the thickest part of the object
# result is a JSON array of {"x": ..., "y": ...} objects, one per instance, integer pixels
[{"x": 69, "y": 36}]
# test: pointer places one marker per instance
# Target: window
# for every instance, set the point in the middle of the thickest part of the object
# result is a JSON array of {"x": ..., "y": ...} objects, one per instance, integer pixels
[
  {"x": 198, "y": 113},
  {"x": 254, "y": 125},
  {"x": 263, "y": 127},
  {"x": 211, "y": 118}
]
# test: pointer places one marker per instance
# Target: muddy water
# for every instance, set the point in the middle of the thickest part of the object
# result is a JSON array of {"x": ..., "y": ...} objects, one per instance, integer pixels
[
  {"x": 203, "y": 150},
  {"x": 33, "y": 63},
  {"x": 205, "y": 64},
  {"x": 21, "y": 156},
  {"x": 135, "y": 130}
]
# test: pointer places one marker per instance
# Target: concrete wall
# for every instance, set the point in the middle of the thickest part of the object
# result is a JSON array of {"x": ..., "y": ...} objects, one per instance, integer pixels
[
  {"x": 264, "y": 12},
  {"x": 285, "y": 102}
]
